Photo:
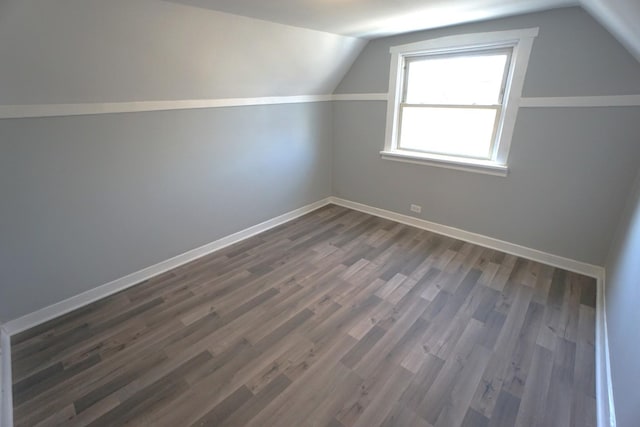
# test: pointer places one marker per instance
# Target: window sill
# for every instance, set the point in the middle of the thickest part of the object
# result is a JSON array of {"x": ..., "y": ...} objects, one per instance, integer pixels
[{"x": 469, "y": 165}]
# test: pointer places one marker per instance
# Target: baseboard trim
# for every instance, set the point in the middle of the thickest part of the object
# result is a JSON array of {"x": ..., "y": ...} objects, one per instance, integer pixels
[
  {"x": 604, "y": 388},
  {"x": 6, "y": 396},
  {"x": 478, "y": 239},
  {"x": 63, "y": 307},
  {"x": 604, "y": 393}
]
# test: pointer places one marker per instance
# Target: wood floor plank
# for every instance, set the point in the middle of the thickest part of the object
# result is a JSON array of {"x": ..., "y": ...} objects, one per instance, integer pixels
[
  {"x": 337, "y": 318},
  {"x": 558, "y": 408},
  {"x": 401, "y": 416},
  {"x": 532, "y": 408},
  {"x": 225, "y": 408},
  {"x": 257, "y": 402}
]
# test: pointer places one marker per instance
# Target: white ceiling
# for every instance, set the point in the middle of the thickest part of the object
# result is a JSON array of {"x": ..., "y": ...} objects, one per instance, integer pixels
[{"x": 378, "y": 18}]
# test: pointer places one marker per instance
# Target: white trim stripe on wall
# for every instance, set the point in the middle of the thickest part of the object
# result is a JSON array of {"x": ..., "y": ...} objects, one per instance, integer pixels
[
  {"x": 57, "y": 110},
  {"x": 581, "y": 101},
  {"x": 54, "y": 110},
  {"x": 360, "y": 97}
]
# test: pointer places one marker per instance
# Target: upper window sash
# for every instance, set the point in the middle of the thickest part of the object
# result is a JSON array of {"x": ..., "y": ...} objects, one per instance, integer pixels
[
  {"x": 408, "y": 60},
  {"x": 519, "y": 41}
]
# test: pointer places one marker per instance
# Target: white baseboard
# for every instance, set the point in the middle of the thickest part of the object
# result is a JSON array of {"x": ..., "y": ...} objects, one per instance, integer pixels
[
  {"x": 604, "y": 387},
  {"x": 478, "y": 239},
  {"x": 58, "y": 309},
  {"x": 6, "y": 397},
  {"x": 604, "y": 394}
]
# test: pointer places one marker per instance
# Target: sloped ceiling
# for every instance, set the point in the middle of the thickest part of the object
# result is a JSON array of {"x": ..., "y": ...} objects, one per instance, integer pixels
[
  {"x": 621, "y": 18},
  {"x": 378, "y": 18},
  {"x": 83, "y": 51},
  {"x": 88, "y": 51}
]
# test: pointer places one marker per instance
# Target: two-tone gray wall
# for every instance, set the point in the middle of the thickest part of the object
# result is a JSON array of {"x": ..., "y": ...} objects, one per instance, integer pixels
[
  {"x": 88, "y": 199},
  {"x": 570, "y": 169},
  {"x": 623, "y": 316}
]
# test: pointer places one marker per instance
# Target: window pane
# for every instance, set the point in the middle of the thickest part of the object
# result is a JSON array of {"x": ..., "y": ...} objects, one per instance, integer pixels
[
  {"x": 465, "y": 80},
  {"x": 463, "y": 132}
]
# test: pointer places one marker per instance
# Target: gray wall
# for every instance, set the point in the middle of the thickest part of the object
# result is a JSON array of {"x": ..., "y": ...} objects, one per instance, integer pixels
[
  {"x": 89, "y": 199},
  {"x": 570, "y": 168},
  {"x": 623, "y": 316}
]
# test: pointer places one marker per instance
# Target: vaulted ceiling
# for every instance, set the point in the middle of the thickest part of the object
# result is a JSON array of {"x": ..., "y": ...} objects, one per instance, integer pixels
[{"x": 377, "y": 18}]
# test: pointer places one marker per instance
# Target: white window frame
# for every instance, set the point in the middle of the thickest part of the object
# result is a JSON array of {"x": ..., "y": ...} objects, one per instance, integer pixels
[{"x": 521, "y": 41}]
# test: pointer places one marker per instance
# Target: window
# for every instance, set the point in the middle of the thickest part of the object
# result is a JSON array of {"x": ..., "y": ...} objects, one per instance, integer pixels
[{"x": 454, "y": 100}]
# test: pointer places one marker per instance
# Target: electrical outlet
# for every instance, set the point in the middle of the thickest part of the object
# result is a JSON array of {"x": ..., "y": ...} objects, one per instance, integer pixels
[{"x": 416, "y": 208}]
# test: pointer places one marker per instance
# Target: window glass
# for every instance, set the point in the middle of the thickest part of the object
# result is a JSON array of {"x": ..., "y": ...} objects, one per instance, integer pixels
[
  {"x": 463, "y": 132},
  {"x": 456, "y": 79}
]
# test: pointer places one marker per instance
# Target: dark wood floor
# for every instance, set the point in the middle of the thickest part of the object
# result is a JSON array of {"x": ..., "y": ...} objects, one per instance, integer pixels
[{"x": 335, "y": 319}]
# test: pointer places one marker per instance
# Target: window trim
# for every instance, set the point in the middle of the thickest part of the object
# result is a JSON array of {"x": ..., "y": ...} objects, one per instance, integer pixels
[{"x": 521, "y": 41}]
